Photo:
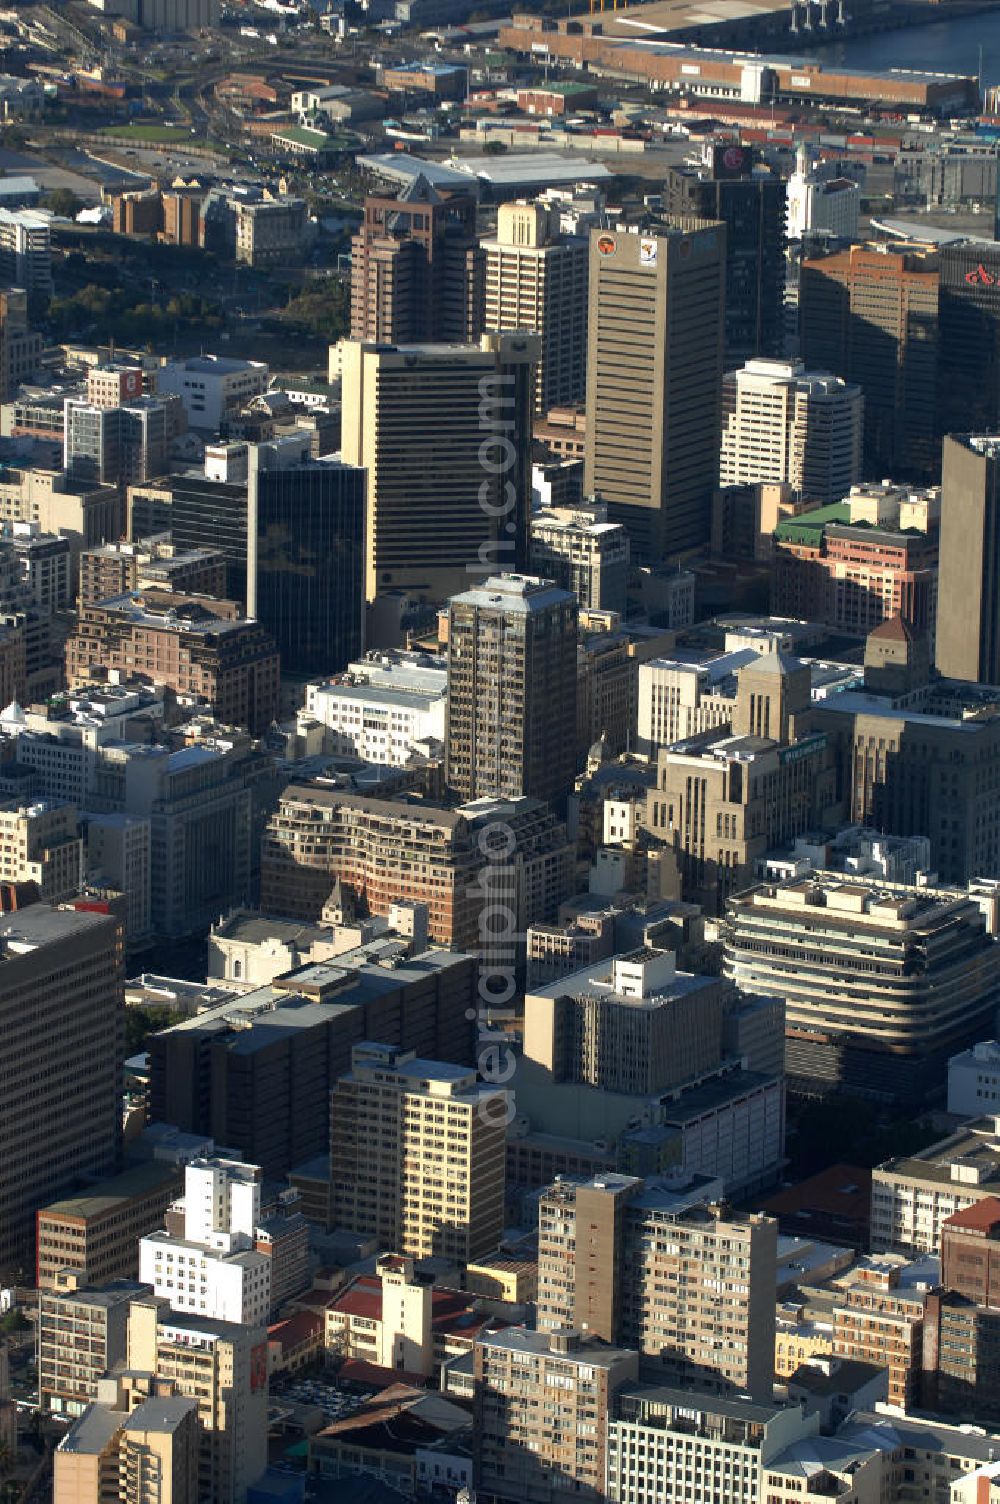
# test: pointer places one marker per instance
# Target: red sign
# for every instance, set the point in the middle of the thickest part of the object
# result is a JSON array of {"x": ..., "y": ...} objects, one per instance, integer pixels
[
  {"x": 606, "y": 245},
  {"x": 980, "y": 277}
]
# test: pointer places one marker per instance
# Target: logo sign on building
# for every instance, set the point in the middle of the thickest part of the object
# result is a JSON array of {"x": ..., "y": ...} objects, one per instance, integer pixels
[
  {"x": 606, "y": 245},
  {"x": 647, "y": 251},
  {"x": 806, "y": 748},
  {"x": 801, "y": 81},
  {"x": 980, "y": 277}
]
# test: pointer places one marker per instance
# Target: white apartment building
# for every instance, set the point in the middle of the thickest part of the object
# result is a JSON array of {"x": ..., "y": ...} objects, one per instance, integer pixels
[
  {"x": 784, "y": 423},
  {"x": 213, "y": 1269},
  {"x": 210, "y": 385},
  {"x": 912, "y": 1196},
  {"x": 974, "y": 1080},
  {"x": 380, "y": 706}
]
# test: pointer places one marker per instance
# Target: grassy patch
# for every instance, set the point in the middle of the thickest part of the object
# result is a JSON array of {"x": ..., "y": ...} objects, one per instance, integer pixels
[{"x": 161, "y": 135}]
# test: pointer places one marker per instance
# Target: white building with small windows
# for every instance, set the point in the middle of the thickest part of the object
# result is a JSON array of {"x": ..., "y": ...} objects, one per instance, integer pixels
[
  {"x": 381, "y": 706},
  {"x": 974, "y": 1080},
  {"x": 212, "y": 1268},
  {"x": 210, "y": 386}
]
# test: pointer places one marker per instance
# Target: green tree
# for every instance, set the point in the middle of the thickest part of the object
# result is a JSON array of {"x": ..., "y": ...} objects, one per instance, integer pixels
[
  {"x": 63, "y": 201},
  {"x": 144, "y": 1020}
]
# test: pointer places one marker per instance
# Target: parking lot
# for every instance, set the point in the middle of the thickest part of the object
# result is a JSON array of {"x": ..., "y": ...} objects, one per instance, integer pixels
[{"x": 320, "y": 1394}]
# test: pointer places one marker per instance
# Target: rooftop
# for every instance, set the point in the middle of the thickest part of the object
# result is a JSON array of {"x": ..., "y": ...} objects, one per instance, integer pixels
[
  {"x": 667, "y": 1397},
  {"x": 106, "y": 1195},
  {"x": 164, "y": 1413},
  {"x": 581, "y": 1349},
  {"x": 93, "y": 1431}
]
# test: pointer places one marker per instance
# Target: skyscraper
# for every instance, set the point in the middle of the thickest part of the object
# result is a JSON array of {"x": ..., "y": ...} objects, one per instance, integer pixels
[
  {"x": 870, "y": 314},
  {"x": 416, "y": 270},
  {"x": 750, "y": 200},
  {"x": 654, "y": 373},
  {"x": 536, "y": 279},
  {"x": 444, "y": 433},
  {"x": 292, "y": 532},
  {"x": 967, "y": 643},
  {"x": 512, "y": 690},
  {"x": 969, "y": 366},
  {"x": 784, "y": 423},
  {"x": 61, "y": 1021}
]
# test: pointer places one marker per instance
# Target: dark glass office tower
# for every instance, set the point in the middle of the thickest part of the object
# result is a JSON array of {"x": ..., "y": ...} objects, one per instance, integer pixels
[
  {"x": 208, "y": 513},
  {"x": 751, "y": 205},
  {"x": 308, "y": 549},
  {"x": 969, "y": 370},
  {"x": 293, "y": 535}
]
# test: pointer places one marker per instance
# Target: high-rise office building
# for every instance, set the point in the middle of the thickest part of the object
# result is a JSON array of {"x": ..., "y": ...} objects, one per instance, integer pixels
[
  {"x": 292, "y": 533},
  {"x": 882, "y": 983},
  {"x": 654, "y": 371},
  {"x": 61, "y": 1022},
  {"x": 750, "y": 201},
  {"x": 444, "y": 433},
  {"x": 969, "y": 358},
  {"x": 511, "y": 716},
  {"x": 536, "y": 279},
  {"x": 782, "y": 423},
  {"x": 416, "y": 269},
  {"x": 870, "y": 314},
  {"x": 967, "y": 642},
  {"x": 417, "y": 1153},
  {"x": 689, "y": 1285}
]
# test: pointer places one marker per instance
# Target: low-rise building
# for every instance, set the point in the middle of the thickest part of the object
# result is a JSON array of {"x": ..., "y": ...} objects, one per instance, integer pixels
[
  {"x": 974, "y": 1080},
  {"x": 97, "y": 1231},
  {"x": 381, "y": 706},
  {"x": 211, "y": 386},
  {"x": 221, "y": 660},
  {"x": 395, "y": 1320}
]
